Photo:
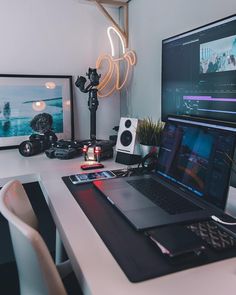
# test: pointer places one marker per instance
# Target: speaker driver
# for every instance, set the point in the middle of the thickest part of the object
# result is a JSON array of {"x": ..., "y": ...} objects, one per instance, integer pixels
[
  {"x": 126, "y": 138},
  {"x": 128, "y": 123}
]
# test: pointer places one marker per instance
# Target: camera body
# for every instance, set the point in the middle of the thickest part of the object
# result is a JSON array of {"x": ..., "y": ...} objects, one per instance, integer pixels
[
  {"x": 37, "y": 144},
  {"x": 64, "y": 149},
  {"x": 42, "y": 140}
]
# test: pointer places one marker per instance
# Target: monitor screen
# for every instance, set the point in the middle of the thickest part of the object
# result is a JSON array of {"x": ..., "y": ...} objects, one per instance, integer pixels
[
  {"x": 199, "y": 72},
  {"x": 194, "y": 156}
]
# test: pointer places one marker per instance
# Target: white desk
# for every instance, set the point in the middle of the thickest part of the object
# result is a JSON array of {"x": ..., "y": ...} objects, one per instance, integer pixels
[{"x": 95, "y": 267}]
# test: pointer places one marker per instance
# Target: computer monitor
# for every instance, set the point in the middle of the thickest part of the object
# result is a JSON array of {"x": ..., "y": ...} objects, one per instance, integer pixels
[
  {"x": 195, "y": 156},
  {"x": 199, "y": 72}
]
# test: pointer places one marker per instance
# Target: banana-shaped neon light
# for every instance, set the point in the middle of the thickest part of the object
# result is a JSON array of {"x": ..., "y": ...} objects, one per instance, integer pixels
[{"x": 113, "y": 72}]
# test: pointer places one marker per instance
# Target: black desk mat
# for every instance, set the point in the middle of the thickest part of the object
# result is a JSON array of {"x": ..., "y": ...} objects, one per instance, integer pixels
[{"x": 136, "y": 255}]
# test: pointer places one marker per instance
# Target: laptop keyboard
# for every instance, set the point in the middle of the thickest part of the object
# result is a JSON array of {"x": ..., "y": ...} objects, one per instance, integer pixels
[
  {"x": 213, "y": 235},
  {"x": 163, "y": 197}
]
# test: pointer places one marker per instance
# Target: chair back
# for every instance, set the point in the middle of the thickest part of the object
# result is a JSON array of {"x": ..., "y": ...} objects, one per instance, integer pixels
[{"x": 37, "y": 272}]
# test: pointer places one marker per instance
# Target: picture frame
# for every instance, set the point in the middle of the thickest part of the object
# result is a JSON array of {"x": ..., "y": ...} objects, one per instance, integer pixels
[{"x": 22, "y": 97}]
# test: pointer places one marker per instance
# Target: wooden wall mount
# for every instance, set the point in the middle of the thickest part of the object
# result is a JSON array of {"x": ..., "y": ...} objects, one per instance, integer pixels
[{"x": 119, "y": 4}]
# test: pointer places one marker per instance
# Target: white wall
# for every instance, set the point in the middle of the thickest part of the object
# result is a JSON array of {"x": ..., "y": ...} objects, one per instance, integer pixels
[
  {"x": 58, "y": 37},
  {"x": 150, "y": 21}
]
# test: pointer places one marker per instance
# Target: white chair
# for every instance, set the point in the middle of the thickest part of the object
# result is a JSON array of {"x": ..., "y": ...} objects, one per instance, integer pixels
[{"x": 38, "y": 275}]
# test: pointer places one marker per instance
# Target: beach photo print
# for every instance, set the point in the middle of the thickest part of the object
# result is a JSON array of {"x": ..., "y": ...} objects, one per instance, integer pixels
[{"x": 24, "y": 97}]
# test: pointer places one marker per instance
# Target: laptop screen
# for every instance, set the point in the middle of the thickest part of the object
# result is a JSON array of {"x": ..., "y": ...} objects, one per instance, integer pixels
[{"x": 194, "y": 156}]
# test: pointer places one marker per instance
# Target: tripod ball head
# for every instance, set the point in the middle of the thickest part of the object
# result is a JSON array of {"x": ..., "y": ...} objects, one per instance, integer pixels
[{"x": 93, "y": 76}]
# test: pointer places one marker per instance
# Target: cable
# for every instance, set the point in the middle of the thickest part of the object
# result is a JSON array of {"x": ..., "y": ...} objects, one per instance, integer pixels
[{"x": 221, "y": 221}]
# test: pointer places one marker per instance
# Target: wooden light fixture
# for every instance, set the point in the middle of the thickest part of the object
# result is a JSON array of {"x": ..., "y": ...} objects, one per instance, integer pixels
[
  {"x": 119, "y": 4},
  {"x": 112, "y": 80}
]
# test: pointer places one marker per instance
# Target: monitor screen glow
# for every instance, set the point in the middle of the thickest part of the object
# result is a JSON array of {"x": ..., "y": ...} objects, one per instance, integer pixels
[{"x": 199, "y": 72}]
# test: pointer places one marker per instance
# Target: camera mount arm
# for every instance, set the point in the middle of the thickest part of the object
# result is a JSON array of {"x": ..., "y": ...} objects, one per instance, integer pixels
[{"x": 80, "y": 83}]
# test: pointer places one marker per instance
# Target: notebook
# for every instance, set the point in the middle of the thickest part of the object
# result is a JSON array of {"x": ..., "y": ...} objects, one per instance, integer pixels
[{"x": 191, "y": 179}]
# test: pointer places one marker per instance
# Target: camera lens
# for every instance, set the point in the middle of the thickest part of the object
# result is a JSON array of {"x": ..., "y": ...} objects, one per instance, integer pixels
[{"x": 29, "y": 148}]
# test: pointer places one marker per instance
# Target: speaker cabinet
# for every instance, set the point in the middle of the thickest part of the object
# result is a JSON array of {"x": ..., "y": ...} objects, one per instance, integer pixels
[{"x": 126, "y": 146}]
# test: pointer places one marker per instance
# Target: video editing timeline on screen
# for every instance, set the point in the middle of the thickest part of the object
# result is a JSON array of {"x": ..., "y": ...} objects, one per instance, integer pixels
[{"x": 199, "y": 72}]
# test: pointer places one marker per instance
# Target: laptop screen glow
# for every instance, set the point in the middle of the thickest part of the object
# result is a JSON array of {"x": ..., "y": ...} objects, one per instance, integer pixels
[{"x": 193, "y": 157}]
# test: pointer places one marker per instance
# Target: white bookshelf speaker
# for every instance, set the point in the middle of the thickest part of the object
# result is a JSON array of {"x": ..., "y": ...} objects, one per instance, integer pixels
[{"x": 126, "y": 146}]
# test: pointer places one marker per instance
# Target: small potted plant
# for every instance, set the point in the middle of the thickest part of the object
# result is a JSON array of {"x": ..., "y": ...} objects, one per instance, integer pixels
[{"x": 149, "y": 134}]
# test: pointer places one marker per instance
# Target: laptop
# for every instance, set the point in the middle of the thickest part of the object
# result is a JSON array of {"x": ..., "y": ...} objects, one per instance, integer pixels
[{"x": 191, "y": 179}]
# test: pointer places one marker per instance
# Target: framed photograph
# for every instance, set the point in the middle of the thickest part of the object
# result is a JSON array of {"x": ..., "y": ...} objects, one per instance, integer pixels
[{"x": 22, "y": 97}]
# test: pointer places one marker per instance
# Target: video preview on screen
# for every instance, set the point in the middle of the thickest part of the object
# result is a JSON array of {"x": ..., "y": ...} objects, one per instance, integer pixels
[
  {"x": 199, "y": 72},
  {"x": 190, "y": 159},
  {"x": 218, "y": 55}
]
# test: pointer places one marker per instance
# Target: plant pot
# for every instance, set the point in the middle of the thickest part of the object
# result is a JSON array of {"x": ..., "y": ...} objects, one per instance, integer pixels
[{"x": 146, "y": 149}]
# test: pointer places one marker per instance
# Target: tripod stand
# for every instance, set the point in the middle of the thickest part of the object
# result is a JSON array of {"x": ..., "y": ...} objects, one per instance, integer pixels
[
  {"x": 93, "y": 106},
  {"x": 93, "y": 99},
  {"x": 94, "y": 149}
]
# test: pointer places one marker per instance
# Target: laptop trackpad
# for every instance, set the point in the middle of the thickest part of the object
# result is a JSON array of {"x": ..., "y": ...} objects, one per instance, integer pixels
[{"x": 129, "y": 199}]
